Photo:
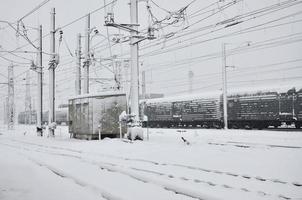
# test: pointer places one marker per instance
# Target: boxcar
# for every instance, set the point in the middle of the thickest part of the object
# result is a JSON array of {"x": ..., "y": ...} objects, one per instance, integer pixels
[
  {"x": 27, "y": 117},
  {"x": 298, "y": 109},
  {"x": 257, "y": 110},
  {"x": 190, "y": 110}
]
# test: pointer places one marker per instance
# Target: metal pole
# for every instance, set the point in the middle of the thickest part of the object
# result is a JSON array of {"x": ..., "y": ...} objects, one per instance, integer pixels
[
  {"x": 120, "y": 126},
  {"x": 40, "y": 86},
  {"x": 143, "y": 84},
  {"x": 78, "y": 66},
  {"x": 224, "y": 80},
  {"x": 51, "y": 117},
  {"x": 27, "y": 99},
  {"x": 190, "y": 75},
  {"x": 87, "y": 56},
  {"x": 100, "y": 134},
  {"x": 134, "y": 61},
  {"x": 6, "y": 110},
  {"x": 11, "y": 96}
]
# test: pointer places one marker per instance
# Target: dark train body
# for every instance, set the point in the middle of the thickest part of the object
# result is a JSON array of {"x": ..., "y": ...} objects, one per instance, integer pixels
[
  {"x": 61, "y": 117},
  {"x": 245, "y": 110},
  {"x": 27, "y": 117}
]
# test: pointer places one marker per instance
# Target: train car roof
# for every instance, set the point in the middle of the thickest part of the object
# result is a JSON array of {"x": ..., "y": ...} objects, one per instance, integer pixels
[
  {"x": 234, "y": 91},
  {"x": 184, "y": 97},
  {"x": 262, "y": 89},
  {"x": 92, "y": 95}
]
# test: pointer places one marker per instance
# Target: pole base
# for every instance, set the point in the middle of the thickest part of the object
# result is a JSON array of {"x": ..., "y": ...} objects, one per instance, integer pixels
[{"x": 135, "y": 133}]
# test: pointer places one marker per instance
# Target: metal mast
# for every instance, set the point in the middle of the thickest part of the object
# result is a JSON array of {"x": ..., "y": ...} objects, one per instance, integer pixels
[
  {"x": 27, "y": 99},
  {"x": 143, "y": 85},
  {"x": 78, "y": 66},
  {"x": 39, "y": 71},
  {"x": 87, "y": 56},
  {"x": 51, "y": 117},
  {"x": 11, "y": 98},
  {"x": 134, "y": 61},
  {"x": 224, "y": 89}
]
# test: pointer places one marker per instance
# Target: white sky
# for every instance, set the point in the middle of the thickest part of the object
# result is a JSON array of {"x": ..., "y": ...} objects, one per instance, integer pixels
[{"x": 166, "y": 72}]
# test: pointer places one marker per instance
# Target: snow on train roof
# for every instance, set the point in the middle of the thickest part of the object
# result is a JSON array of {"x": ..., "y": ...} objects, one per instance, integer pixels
[
  {"x": 262, "y": 89},
  {"x": 90, "y": 95},
  {"x": 185, "y": 97},
  {"x": 233, "y": 91}
]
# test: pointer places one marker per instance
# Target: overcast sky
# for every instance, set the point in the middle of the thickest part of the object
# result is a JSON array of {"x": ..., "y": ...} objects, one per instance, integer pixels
[{"x": 268, "y": 55}]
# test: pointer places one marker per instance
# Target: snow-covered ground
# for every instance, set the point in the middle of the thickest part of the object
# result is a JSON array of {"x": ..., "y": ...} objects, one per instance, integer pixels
[{"x": 216, "y": 164}]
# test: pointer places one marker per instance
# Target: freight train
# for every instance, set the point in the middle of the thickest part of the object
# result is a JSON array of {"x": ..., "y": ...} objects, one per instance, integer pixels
[
  {"x": 245, "y": 110},
  {"x": 61, "y": 117}
]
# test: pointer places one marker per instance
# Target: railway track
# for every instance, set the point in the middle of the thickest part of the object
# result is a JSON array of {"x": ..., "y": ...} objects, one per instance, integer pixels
[{"x": 166, "y": 174}]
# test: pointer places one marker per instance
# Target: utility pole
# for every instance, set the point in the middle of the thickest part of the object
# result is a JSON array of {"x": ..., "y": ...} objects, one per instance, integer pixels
[
  {"x": 78, "y": 66},
  {"x": 126, "y": 85},
  {"x": 11, "y": 100},
  {"x": 52, "y": 66},
  {"x": 190, "y": 76},
  {"x": 134, "y": 61},
  {"x": 87, "y": 56},
  {"x": 5, "y": 116},
  {"x": 27, "y": 99},
  {"x": 224, "y": 89},
  {"x": 135, "y": 38},
  {"x": 40, "y": 85},
  {"x": 143, "y": 85}
]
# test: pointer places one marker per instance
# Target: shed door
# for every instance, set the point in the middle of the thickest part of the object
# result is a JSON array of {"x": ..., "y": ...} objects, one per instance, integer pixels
[
  {"x": 77, "y": 118},
  {"x": 85, "y": 119}
]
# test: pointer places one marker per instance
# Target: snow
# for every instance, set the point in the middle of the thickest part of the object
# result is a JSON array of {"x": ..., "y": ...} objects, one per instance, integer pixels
[
  {"x": 216, "y": 94},
  {"x": 217, "y": 164},
  {"x": 91, "y": 95}
]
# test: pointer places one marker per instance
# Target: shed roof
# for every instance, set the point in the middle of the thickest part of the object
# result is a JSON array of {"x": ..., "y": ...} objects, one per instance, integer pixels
[{"x": 102, "y": 94}]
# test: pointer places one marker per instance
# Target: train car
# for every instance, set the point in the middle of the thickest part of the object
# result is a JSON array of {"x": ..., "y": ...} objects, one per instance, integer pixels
[
  {"x": 255, "y": 110},
  {"x": 187, "y": 111},
  {"x": 31, "y": 118},
  {"x": 61, "y": 117},
  {"x": 245, "y": 110},
  {"x": 159, "y": 113},
  {"x": 93, "y": 112},
  {"x": 21, "y": 118},
  {"x": 27, "y": 117},
  {"x": 298, "y": 109}
]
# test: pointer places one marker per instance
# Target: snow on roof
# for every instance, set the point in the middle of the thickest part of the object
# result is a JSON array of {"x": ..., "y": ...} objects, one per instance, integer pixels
[
  {"x": 262, "y": 89},
  {"x": 91, "y": 95},
  {"x": 216, "y": 94},
  {"x": 185, "y": 97}
]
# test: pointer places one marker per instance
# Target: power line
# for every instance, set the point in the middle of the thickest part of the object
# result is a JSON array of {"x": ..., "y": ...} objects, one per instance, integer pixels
[
  {"x": 12, "y": 61},
  {"x": 33, "y": 10},
  {"x": 243, "y": 31},
  {"x": 68, "y": 24},
  {"x": 161, "y": 51},
  {"x": 266, "y": 43}
]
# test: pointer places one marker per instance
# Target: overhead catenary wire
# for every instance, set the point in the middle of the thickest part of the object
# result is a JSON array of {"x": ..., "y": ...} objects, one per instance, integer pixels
[
  {"x": 292, "y": 38},
  {"x": 68, "y": 24},
  {"x": 165, "y": 50},
  {"x": 242, "y": 31}
]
